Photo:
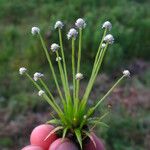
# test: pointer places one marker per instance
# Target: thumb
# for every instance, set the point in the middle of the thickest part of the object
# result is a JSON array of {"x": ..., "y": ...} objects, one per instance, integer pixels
[{"x": 65, "y": 144}]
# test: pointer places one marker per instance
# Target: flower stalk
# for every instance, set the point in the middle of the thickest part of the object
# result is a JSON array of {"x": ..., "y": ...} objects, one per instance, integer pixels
[
  {"x": 52, "y": 68},
  {"x": 78, "y": 63}
]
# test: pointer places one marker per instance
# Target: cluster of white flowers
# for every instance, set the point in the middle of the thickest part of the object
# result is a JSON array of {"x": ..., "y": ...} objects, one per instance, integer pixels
[
  {"x": 22, "y": 70},
  {"x": 54, "y": 47},
  {"x": 35, "y": 30},
  {"x": 79, "y": 76},
  {"x": 80, "y": 23},
  {"x": 107, "y": 25},
  {"x": 126, "y": 73},
  {"x": 58, "y": 58},
  {"x": 72, "y": 33},
  {"x": 41, "y": 92},
  {"x": 37, "y": 76},
  {"x": 109, "y": 39},
  {"x": 58, "y": 25}
]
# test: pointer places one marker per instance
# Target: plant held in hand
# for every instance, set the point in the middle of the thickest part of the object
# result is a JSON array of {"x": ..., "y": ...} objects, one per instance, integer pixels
[{"x": 74, "y": 116}]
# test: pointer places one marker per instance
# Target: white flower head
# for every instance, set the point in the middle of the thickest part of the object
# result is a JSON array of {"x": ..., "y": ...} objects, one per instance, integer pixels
[
  {"x": 126, "y": 73},
  {"x": 80, "y": 23},
  {"x": 37, "y": 76},
  {"x": 35, "y": 30},
  {"x": 54, "y": 47},
  {"x": 85, "y": 116},
  {"x": 79, "y": 76},
  {"x": 22, "y": 70},
  {"x": 107, "y": 25},
  {"x": 58, "y": 58},
  {"x": 59, "y": 25},
  {"x": 103, "y": 45},
  {"x": 72, "y": 33},
  {"x": 41, "y": 92},
  {"x": 109, "y": 39}
]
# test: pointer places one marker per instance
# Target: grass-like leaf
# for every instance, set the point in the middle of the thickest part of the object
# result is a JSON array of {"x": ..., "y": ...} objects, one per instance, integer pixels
[
  {"x": 53, "y": 131},
  {"x": 54, "y": 121},
  {"x": 90, "y": 136},
  {"x": 79, "y": 137},
  {"x": 64, "y": 133}
]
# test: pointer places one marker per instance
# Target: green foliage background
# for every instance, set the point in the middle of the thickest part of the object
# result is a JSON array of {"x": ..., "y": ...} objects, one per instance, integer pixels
[{"x": 131, "y": 29}]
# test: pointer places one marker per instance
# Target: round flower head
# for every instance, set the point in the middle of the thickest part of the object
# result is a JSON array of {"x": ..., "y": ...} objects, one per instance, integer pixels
[
  {"x": 22, "y": 70},
  {"x": 103, "y": 45},
  {"x": 41, "y": 92},
  {"x": 58, "y": 58},
  {"x": 107, "y": 25},
  {"x": 79, "y": 76},
  {"x": 54, "y": 47},
  {"x": 59, "y": 25},
  {"x": 109, "y": 39},
  {"x": 85, "y": 116},
  {"x": 37, "y": 76},
  {"x": 126, "y": 73},
  {"x": 72, "y": 33},
  {"x": 35, "y": 30},
  {"x": 80, "y": 23}
]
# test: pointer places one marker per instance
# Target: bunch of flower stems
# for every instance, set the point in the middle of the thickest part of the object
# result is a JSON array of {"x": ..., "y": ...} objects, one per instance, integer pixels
[{"x": 74, "y": 114}]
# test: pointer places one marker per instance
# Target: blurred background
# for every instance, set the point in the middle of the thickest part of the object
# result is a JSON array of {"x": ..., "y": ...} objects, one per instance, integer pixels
[{"x": 20, "y": 107}]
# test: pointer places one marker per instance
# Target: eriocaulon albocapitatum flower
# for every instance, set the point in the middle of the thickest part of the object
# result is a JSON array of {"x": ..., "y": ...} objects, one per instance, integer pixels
[
  {"x": 58, "y": 58},
  {"x": 109, "y": 39},
  {"x": 80, "y": 23},
  {"x": 72, "y": 33},
  {"x": 35, "y": 30},
  {"x": 22, "y": 70},
  {"x": 54, "y": 47},
  {"x": 103, "y": 45},
  {"x": 79, "y": 76},
  {"x": 107, "y": 25},
  {"x": 37, "y": 76},
  {"x": 126, "y": 73},
  {"x": 41, "y": 92},
  {"x": 58, "y": 25}
]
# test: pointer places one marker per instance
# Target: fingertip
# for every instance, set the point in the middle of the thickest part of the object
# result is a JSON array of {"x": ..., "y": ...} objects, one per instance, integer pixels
[
  {"x": 32, "y": 147},
  {"x": 65, "y": 144}
]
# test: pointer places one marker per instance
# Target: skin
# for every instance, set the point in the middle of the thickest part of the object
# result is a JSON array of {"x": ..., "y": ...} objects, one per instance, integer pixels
[
  {"x": 55, "y": 143},
  {"x": 39, "y": 134},
  {"x": 32, "y": 147},
  {"x": 65, "y": 144},
  {"x": 90, "y": 145}
]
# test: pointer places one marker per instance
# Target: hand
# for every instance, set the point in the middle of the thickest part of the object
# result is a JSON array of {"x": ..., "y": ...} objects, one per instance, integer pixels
[{"x": 53, "y": 143}]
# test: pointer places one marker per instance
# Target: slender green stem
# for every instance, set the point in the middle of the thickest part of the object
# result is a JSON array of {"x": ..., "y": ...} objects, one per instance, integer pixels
[
  {"x": 47, "y": 89},
  {"x": 96, "y": 69},
  {"x": 103, "y": 116},
  {"x": 67, "y": 108},
  {"x": 78, "y": 63},
  {"x": 64, "y": 62},
  {"x": 98, "y": 54},
  {"x": 51, "y": 67},
  {"x": 57, "y": 109},
  {"x": 94, "y": 75},
  {"x": 102, "y": 99},
  {"x": 100, "y": 45},
  {"x": 34, "y": 83},
  {"x": 73, "y": 68},
  {"x": 96, "y": 63},
  {"x": 62, "y": 75}
]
